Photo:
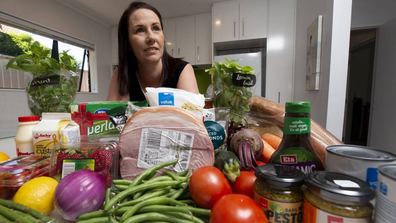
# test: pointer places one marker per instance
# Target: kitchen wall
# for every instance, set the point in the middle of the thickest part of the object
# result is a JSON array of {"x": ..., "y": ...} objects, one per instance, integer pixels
[
  {"x": 56, "y": 16},
  {"x": 329, "y": 101}
]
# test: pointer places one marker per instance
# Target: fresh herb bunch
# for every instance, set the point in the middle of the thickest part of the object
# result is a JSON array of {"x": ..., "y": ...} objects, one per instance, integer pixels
[
  {"x": 52, "y": 85},
  {"x": 225, "y": 93}
]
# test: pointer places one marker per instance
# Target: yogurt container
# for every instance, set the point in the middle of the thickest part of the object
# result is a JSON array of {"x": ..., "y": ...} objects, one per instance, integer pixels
[{"x": 358, "y": 161}]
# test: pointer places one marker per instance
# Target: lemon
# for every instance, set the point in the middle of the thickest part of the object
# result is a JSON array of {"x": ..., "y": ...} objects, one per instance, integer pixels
[
  {"x": 38, "y": 194},
  {"x": 3, "y": 157}
]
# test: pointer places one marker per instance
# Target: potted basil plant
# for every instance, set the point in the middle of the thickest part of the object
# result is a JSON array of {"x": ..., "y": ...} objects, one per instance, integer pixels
[{"x": 51, "y": 86}]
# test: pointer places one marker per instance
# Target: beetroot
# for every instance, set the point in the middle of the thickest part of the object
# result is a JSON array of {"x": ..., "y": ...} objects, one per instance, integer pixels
[{"x": 248, "y": 145}]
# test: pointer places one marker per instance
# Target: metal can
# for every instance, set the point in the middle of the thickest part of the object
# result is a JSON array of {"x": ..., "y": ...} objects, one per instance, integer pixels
[
  {"x": 336, "y": 197},
  {"x": 386, "y": 194},
  {"x": 277, "y": 190},
  {"x": 358, "y": 161}
]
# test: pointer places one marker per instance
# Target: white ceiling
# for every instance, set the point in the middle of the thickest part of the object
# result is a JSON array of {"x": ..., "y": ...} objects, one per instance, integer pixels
[{"x": 108, "y": 12}]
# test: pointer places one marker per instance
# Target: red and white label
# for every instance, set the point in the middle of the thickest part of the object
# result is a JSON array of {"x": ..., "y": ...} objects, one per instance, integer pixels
[
  {"x": 288, "y": 159},
  {"x": 333, "y": 219}
]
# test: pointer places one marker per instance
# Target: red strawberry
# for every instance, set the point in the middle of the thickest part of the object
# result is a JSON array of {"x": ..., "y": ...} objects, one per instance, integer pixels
[
  {"x": 61, "y": 155},
  {"x": 103, "y": 159}
]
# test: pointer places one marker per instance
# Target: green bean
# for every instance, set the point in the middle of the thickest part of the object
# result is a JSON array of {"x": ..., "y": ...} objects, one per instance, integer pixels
[
  {"x": 148, "y": 172},
  {"x": 96, "y": 220},
  {"x": 122, "y": 182},
  {"x": 195, "y": 210},
  {"x": 186, "y": 217},
  {"x": 189, "y": 201},
  {"x": 155, "y": 217},
  {"x": 26, "y": 216},
  {"x": 94, "y": 214},
  {"x": 183, "y": 173},
  {"x": 172, "y": 175},
  {"x": 162, "y": 209},
  {"x": 150, "y": 201},
  {"x": 112, "y": 219},
  {"x": 25, "y": 209},
  {"x": 8, "y": 213},
  {"x": 144, "y": 197},
  {"x": 138, "y": 188},
  {"x": 121, "y": 187}
]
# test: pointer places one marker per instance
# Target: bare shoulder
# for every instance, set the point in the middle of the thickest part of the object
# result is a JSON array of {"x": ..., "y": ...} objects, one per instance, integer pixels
[
  {"x": 114, "y": 87},
  {"x": 187, "y": 80}
]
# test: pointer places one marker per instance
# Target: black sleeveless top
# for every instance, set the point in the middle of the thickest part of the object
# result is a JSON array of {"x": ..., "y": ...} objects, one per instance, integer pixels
[{"x": 136, "y": 94}]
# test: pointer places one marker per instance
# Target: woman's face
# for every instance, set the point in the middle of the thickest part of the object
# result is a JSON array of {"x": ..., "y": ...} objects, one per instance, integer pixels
[{"x": 146, "y": 38}]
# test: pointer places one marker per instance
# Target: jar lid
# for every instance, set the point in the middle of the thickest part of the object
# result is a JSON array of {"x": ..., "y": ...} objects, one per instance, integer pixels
[
  {"x": 28, "y": 118},
  {"x": 361, "y": 153},
  {"x": 298, "y": 107},
  {"x": 280, "y": 175},
  {"x": 339, "y": 186}
]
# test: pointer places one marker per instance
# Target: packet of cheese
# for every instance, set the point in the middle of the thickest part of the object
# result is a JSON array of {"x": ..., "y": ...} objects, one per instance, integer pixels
[{"x": 53, "y": 128}]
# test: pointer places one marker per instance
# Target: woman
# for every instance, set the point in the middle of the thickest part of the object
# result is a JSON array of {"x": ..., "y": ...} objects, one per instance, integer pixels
[{"x": 143, "y": 60}]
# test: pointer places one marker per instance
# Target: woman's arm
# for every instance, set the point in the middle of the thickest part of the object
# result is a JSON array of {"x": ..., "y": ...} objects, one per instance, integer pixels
[
  {"x": 187, "y": 80},
  {"x": 114, "y": 87}
]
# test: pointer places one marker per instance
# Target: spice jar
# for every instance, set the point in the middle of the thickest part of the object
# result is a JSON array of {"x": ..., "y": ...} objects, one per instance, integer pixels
[
  {"x": 24, "y": 135},
  {"x": 277, "y": 190},
  {"x": 336, "y": 197}
]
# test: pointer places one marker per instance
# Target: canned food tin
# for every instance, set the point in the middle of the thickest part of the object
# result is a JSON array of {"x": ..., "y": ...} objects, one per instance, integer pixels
[
  {"x": 358, "y": 161},
  {"x": 386, "y": 194}
]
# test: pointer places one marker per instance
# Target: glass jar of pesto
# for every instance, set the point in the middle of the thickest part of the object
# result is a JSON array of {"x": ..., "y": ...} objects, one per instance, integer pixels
[
  {"x": 336, "y": 197},
  {"x": 277, "y": 190}
]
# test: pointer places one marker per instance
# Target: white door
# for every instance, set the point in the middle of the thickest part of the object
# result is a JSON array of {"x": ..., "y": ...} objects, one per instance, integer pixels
[
  {"x": 225, "y": 21},
  {"x": 170, "y": 35},
  {"x": 383, "y": 108},
  {"x": 253, "y": 19},
  {"x": 203, "y": 38},
  {"x": 185, "y": 38},
  {"x": 247, "y": 59}
]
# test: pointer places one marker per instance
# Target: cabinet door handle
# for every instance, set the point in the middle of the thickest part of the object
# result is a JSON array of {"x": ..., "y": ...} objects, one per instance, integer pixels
[
  {"x": 279, "y": 96},
  {"x": 198, "y": 52},
  {"x": 243, "y": 26},
  {"x": 178, "y": 51},
  {"x": 172, "y": 52},
  {"x": 234, "y": 27}
]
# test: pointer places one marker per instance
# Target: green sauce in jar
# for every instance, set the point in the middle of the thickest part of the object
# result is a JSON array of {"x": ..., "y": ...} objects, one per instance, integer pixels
[{"x": 278, "y": 192}]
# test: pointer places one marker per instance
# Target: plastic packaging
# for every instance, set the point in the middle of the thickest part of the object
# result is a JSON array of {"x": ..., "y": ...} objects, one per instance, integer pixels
[
  {"x": 163, "y": 133},
  {"x": 96, "y": 155},
  {"x": 24, "y": 135},
  {"x": 17, "y": 171}
]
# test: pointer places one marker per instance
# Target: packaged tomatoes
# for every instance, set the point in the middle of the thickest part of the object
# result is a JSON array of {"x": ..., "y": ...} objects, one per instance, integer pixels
[{"x": 17, "y": 171}]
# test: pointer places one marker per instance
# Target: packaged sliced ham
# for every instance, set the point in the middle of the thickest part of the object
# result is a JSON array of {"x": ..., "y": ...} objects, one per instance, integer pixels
[{"x": 163, "y": 133}]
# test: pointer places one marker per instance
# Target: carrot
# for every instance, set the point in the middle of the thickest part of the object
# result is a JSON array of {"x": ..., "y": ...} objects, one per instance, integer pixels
[
  {"x": 272, "y": 139},
  {"x": 267, "y": 151}
]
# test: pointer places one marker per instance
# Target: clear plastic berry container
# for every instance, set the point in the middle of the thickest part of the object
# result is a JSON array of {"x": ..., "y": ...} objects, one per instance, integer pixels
[
  {"x": 17, "y": 171},
  {"x": 99, "y": 156}
]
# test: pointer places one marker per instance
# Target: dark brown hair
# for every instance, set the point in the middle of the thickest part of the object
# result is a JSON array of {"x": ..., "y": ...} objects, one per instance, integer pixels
[{"x": 126, "y": 58}]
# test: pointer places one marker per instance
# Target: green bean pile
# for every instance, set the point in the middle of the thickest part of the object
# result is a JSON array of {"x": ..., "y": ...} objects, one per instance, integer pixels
[
  {"x": 13, "y": 212},
  {"x": 149, "y": 199}
]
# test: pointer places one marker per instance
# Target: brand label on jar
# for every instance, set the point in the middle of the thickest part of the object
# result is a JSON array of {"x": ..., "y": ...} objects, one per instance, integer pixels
[
  {"x": 298, "y": 157},
  {"x": 296, "y": 126},
  {"x": 279, "y": 212},
  {"x": 314, "y": 215}
]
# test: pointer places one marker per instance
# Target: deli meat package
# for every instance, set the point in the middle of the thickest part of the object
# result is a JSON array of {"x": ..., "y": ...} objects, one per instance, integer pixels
[{"x": 163, "y": 133}]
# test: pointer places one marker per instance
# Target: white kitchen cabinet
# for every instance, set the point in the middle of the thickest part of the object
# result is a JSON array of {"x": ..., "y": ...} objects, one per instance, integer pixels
[
  {"x": 239, "y": 20},
  {"x": 170, "y": 36},
  {"x": 203, "y": 38},
  {"x": 185, "y": 38},
  {"x": 190, "y": 38}
]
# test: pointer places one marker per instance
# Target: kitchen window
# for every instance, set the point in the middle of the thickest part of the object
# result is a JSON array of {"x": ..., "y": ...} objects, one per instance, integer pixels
[{"x": 15, "y": 33}]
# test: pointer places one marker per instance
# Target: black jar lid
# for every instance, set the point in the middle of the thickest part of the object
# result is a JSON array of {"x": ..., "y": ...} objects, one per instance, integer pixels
[
  {"x": 339, "y": 186},
  {"x": 280, "y": 175}
]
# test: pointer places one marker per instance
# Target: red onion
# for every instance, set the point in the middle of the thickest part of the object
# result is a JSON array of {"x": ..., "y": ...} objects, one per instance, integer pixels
[{"x": 80, "y": 192}]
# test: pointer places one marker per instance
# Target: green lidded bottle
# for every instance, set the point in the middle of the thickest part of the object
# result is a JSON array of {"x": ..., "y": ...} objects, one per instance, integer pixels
[{"x": 296, "y": 148}]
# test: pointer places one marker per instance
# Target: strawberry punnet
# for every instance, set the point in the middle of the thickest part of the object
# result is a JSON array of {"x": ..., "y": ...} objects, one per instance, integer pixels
[{"x": 103, "y": 159}]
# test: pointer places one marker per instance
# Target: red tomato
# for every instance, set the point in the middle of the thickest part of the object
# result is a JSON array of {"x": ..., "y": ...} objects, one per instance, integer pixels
[
  {"x": 244, "y": 184},
  {"x": 237, "y": 208},
  {"x": 207, "y": 185}
]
